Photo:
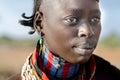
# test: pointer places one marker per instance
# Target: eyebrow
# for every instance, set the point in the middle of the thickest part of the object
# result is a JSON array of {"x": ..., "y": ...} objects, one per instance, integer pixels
[
  {"x": 97, "y": 11},
  {"x": 76, "y": 10},
  {"x": 81, "y": 10}
]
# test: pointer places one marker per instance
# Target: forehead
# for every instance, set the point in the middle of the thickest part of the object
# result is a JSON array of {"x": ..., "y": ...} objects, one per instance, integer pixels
[
  {"x": 55, "y": 3},
  {"x": 75, "y": 3},
  {"x": 67, "y": 5}
]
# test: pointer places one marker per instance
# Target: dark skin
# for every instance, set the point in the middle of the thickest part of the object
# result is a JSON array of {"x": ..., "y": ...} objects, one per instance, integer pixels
[{"x": 71, "y": 28}]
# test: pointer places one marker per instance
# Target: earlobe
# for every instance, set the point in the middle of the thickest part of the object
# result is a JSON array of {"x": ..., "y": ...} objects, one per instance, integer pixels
[{"x": 37, "y": 21}]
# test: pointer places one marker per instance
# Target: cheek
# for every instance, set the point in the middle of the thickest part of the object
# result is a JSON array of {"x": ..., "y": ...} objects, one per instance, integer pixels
[
  {"x": 54, "y": 37},
  {"x": 97, "y": 31}
]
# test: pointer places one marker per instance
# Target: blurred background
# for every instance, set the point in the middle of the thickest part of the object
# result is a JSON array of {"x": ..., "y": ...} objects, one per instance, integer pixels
[{"x": 16, "y": 43}]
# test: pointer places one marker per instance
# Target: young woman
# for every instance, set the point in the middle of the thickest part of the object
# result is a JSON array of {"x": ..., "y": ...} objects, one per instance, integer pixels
[{"x": 69, "y": 32}]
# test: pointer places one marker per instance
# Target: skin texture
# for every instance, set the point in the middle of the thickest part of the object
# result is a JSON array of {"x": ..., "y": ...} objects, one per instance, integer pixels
[{"x": 71, "y": 28}]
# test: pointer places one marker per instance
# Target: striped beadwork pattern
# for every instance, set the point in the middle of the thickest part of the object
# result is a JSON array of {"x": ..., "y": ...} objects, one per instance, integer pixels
[{"x": 45, "y": 65}]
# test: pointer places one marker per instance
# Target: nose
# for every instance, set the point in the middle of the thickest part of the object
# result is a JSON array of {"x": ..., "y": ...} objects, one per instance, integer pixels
[{"x": 85, "y": 30}]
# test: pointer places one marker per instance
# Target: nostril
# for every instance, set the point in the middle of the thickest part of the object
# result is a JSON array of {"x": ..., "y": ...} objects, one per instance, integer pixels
[{"x": 82, "y": 35}]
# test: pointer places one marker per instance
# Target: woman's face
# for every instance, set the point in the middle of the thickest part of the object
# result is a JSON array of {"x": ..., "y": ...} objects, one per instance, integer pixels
[{"x": 72, "y": 28}]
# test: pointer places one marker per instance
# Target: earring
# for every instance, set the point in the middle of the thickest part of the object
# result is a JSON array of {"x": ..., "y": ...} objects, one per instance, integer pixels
[{"x": 41, "y": 42}]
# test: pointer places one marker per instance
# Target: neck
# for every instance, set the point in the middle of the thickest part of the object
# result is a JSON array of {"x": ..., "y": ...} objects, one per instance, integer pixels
[
  {"x": 45, "y": 64},
  {"x": 56, "y": 66}
]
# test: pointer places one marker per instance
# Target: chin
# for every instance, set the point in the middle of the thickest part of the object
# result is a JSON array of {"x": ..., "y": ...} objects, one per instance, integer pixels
[
  {"x": 84, "y": 59},
  {"x": 81, "y": 60}
]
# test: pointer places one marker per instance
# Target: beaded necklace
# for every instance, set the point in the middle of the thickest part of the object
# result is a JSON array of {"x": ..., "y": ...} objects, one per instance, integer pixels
[
  {"x": 57, "y": 68},
  {"x": 50, "y": 67}
]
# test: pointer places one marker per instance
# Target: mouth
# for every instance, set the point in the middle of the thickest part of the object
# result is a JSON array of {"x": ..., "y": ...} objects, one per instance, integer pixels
[{"x": 84, "y": 50}]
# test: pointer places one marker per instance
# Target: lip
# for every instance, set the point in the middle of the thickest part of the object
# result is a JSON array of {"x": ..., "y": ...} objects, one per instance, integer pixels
[{"x": 84, "y": 51}]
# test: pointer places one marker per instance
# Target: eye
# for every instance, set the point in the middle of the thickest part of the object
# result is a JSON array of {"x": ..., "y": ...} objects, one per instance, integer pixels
[
  {"x": 94, "y": 20},
  {"x": 71, "y": 20}
]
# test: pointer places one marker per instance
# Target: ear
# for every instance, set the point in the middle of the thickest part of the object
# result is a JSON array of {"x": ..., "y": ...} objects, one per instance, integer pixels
[{"x": 37, "y": 21}]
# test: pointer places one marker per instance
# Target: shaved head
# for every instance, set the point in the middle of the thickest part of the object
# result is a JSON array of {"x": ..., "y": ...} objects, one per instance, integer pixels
[
  {"x": 47, "y": 5},
  {"x": 43, "y": 6}
]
